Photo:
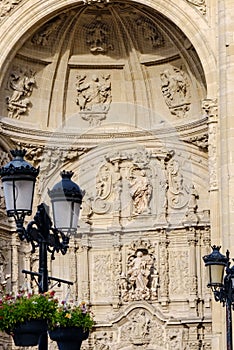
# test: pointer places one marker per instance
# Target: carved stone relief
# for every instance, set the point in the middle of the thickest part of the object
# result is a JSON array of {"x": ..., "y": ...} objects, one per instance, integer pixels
[
  {"x": 120, "y": 170},
  {"x": 128, "y": 182},
  {"x": 150, "y": 32},
  {"x": 3, "y": 275},
  {"x": 102, "y": 268},
  {"x": 176, "y": 91},
  {"x": 93, "y": 97},
  {"x": 6, "y": 6},
  {"x": 177, "y": 192},
  {"x": 98, "y": 36},
  {"x": 179, "y": 273},
  {"x": 210, "y": 109},
  {"x": 21, "y": 83},
  {"x": 44, "y": 36},
  {"x": 96, "y": 2},
  {"x": 140, "y": 282},
  {"x": 199, "y": 4},
  {"x": 50, "y": 160}
]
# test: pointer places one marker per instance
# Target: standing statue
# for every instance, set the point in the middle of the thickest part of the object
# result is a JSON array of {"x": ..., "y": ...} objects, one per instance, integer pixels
[{"x": 140, "y": 191}]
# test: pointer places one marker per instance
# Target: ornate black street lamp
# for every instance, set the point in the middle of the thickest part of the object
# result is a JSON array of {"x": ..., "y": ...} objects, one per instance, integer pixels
[
  {"x": 18, "y": 178},
  {"x": 222, "y": 286}
]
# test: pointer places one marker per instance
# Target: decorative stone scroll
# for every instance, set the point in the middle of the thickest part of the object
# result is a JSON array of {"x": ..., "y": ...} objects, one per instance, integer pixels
[
  {"x": 98, "y": 36},
  {"x": 177, "y": 193},
  {"x": 176, "y": 91},
  {"x": 93, "y": 97},
  {"x": 21, "y": 82}
]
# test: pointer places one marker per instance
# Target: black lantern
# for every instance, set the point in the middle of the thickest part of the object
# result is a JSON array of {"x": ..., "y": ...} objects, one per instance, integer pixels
[
  {"x": 66, "y": 199},
  {"x": 216, "y": 263},
  {"x": 18, "y": 178},
  {"x": 222, "y": 285}
]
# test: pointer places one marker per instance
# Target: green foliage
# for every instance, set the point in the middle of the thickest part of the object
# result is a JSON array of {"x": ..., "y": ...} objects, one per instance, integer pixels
[
  {"x": 72, "y": 316},
  {"x": 24, "y": 307}
]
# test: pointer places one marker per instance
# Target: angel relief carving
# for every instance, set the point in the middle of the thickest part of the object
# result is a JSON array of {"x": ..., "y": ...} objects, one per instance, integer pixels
[
  {"x": 93, "y": 97},
  {"x": 21, "y": 82},
  {"x": 98, "y": 36},
  {"x": 176, "y": 91}
]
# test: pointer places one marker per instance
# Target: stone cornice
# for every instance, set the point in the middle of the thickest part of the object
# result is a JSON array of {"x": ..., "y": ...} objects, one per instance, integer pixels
[{"x": 36, "y": 136}]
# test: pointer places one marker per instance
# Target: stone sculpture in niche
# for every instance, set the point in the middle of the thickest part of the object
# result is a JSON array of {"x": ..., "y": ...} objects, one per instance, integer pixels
[
  {"x": 93, "y": 97},
  {"x": 43, "y": 37},
  {"x": 138, "y": 328},
  {"x": 176, "y": 91},
  {"x": 140, "y": 191},
  {"x": 150, "y": 32},
  {"x": 141, "y": 279},
  {"x": 98, "y": 36},
  {"x": 21, "y": 82}
]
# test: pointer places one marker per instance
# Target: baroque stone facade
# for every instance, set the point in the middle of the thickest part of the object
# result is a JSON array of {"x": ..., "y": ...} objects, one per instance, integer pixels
[{"x": 127, "y": 96}]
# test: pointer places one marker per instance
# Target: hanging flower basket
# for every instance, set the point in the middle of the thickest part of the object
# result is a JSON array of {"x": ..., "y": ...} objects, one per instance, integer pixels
[
  {"x": 70, "y": 325},
  {"x": 69, "y": 338},
  {"x": 26, "y": 316},
  {"x": 28, "y": 333}
]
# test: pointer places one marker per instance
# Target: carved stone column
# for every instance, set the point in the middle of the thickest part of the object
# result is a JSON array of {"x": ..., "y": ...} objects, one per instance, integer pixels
[
  {"x": 194, "y": 343},
  {"x": 192, "y": 242},
  {"x": 85, "y": 280},
  {"x": 15, "y": 263},
  {"x": 163, "y": 269},
  {"x": 73, "y": 276},
  {"x": 117, "y": 268},
  {"x": 210, "y": 108},
  {"x": 205, "y": 251}
]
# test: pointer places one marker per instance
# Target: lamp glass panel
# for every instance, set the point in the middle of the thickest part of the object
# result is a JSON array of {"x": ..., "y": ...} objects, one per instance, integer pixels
[
  {"x": 216, "y": 274},
  {"x": 18, "y": 195},
  {"x": 65, "y": 215}
]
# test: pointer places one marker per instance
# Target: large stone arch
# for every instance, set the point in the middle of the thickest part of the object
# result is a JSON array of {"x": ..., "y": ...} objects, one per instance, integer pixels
[
  {"x": 182, "y": 14},
  {"x": 167, "y": 152}
]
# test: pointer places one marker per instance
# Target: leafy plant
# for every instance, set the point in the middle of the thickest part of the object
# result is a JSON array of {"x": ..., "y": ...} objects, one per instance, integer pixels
[
  {"x": 72, "y": 315},
  {"x": 17, "y": 309}
]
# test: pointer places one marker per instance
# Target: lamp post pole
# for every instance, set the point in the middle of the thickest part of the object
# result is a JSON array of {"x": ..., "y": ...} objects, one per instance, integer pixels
[
  {"x": 222, "y": 286},
  {"x": 19, "y": 178}
]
